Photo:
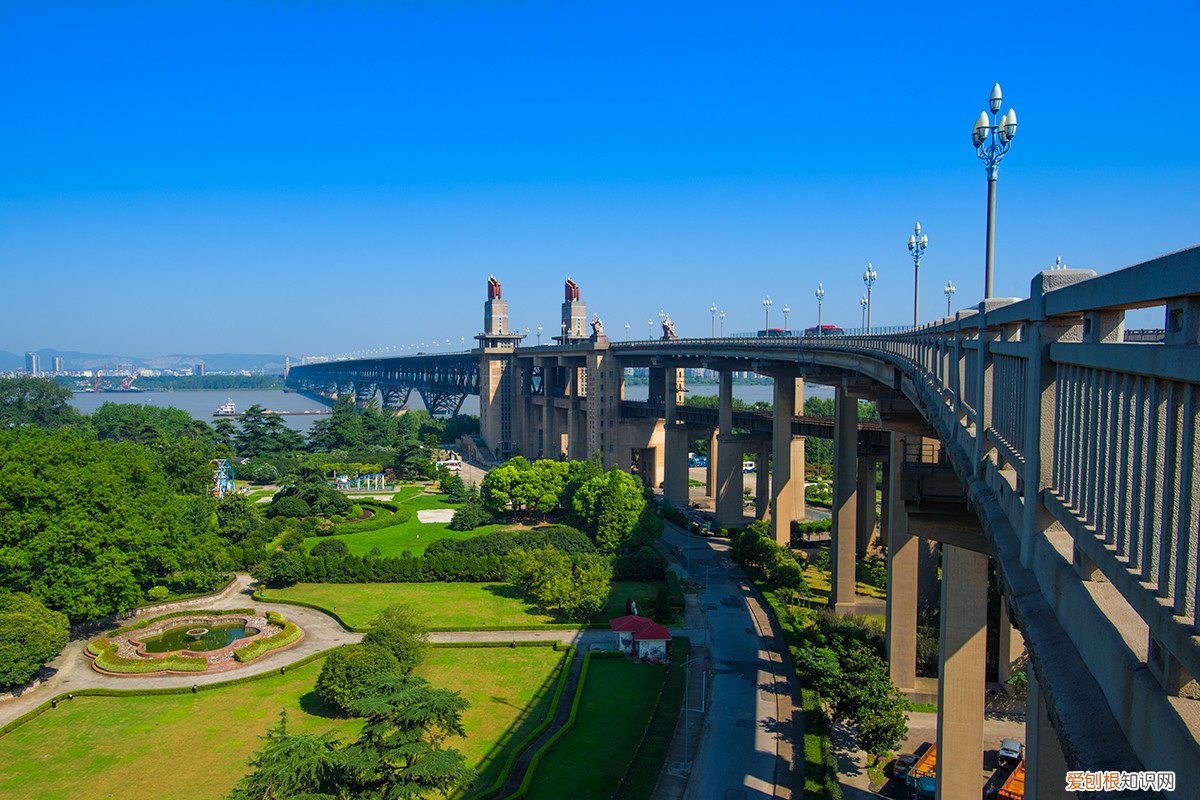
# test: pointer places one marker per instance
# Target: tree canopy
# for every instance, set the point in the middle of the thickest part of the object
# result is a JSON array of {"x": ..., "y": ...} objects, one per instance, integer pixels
[{"x": 35, "y": 401}]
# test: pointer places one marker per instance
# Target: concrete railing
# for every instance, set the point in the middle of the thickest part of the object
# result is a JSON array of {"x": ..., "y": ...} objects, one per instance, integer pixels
[{"x": 1067, "y": 417}]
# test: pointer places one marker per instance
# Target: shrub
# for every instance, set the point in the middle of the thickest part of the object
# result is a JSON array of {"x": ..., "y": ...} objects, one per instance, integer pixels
[
  {"x": 283, "y": 568},
  {"x": 400, "y": 630},
  {"x": 289, "y": 633},
  {"x": 288, "y": 506},
  {"x": 108, "y": 660},
  {"x": 30, "y": 635},
  {"x": 678, "y": 601},
  {"x": 662, "y": 606},
  {"x": 647, "y": 564},
  {"x": 470, "y": 516},
  {"x": 347, "y": 668},
  {"x": 158, "y": 593},
  {"x": 329, "y": 547}
]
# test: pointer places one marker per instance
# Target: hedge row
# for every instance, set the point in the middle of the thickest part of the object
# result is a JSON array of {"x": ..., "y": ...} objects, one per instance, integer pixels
[
  {"x": 380, "y": 519},
  {"x": 527, "y": 781},
  {"x": 452, "y": 567},
  {"x": 551, "y": 643},
  {"x": 143, "y": 623},
  {"x": 642, "y": 774},
  {"x": 290, "y": 633},
  {"x": 515, "y": 752},
  {"x": 107, "y": 659}
]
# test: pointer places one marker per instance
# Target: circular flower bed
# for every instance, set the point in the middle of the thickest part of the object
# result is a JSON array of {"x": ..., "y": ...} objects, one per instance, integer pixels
[{"x": 200, "y": 641}]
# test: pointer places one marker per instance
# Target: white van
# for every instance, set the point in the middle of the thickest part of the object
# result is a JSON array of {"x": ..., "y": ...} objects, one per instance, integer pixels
[{"x": 747, "y": 466}]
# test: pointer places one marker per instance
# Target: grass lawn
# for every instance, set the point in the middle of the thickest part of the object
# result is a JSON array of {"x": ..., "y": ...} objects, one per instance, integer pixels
[
  {"x": 139, "y": 747},
  {"x": 818, "y": 584},
  {"x": 588, "y": 762},
  {"x": 449, "y": 605},
  {"x": 510, "y": 691},
  {"x": 413, "y": 535}
]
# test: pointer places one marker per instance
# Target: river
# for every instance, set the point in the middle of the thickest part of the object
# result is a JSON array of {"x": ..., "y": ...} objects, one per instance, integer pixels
[{"x": 202, "y": 404}]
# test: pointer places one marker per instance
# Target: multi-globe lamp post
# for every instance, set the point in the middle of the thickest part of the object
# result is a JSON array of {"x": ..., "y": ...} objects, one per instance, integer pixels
[
  {"x": 721, "y": 317},
  {"x": 786, "y": 310},
  {"x": 992, "y": 139},
  {"x": 863, "y": 302},
  {"x": 767, "y": 303},
  {"x": 869, "y": 278},
  {"x": 917, "y": 243},
  {"x": 949, "y": 292},
  {"x": 712, "y": 310},
  {"x": 820, "y": 295}
]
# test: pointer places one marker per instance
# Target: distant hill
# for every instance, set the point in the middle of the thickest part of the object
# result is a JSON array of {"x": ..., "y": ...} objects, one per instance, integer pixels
[{"x": 218, "y": 362}]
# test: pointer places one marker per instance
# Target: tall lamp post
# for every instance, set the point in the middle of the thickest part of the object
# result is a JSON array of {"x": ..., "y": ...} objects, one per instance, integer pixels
[
  {"x": 869, "y": 278},
  {"x": 949, "y": 290},
  {"x": 649, "y": 329},
  {"x": 721, "y": 317},
  {"x": 786, "y": 311},
  {"x": 916, "y": 245},
  {"x": 539, "y": 335},
  {"x": 820, "y": 295},
  {"x": 767, "y": 303},
  {"x": 992, "y": 139},
  {"x": 864, "y": 303},
  {"x": 627, "y": 331},
  {"x": 712, "y": 310}
]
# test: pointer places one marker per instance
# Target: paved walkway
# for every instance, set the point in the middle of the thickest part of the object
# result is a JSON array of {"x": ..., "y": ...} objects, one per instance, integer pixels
[{"x": 745, "y": 745}]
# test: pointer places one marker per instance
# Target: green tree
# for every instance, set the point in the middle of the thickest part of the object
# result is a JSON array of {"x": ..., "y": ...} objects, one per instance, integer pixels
[
  {"x": 290, "y": 766},
  {"x": 609, "y": 506},
  {"x": 329, "y": 547},
  {"x": 470, "y": 516},
  {"x": 35, "y": 401},
  {"x": 402, "y": 750},
  {"x": 283, "y": 568},
  {"x": 575, "y": 586},
  {"x": 347, "y": 668},
  {"x": 870, "y": 702},
  {"x": 411, "y": 461},
  {"x": 400, "y": 630},
  {"x": 266, "y": 434},
  {"x": 30, "y": 635},
  {"x": 343, "y": 430},
  {"x": 237, "y": 517}
]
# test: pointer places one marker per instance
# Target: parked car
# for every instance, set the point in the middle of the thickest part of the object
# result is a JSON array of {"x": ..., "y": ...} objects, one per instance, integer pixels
[
  {"x": 747, "y": 466},
  {"x": 1011, "y": 752},
  {"x": 904, "y": 761}
]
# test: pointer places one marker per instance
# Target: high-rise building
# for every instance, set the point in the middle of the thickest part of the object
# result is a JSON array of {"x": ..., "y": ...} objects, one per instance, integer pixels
[
  {"x": 33, "y": 363},
  {"x": 58, "y": 365},
  {"x": 199, "y": 369}
]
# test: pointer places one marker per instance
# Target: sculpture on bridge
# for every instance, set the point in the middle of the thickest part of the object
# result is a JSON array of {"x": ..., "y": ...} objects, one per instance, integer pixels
[
  {"x": 668, "y": 328},
  {"x": 598, "y": 329}
]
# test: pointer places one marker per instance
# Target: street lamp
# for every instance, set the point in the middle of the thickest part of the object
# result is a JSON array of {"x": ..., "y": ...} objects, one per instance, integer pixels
[
  {"x": 721, "y": 317},
  {"x": 627, "y": 331},
  {"x": 949, "y": 290},
  {"x": 786, "y": 310},
  {"x": 869, "y": 278},
  {"x": 713, "y": 311},
  {"x": 992, "y": 140},
  {"x": 820, "y": 295},
  {"x": 917, "y": 243},
  {"x": 864, "y": 303},
  {"x": 650, "y": 329},
  {"x": 539, "y": 335},
  {"x": 767, "y": 303},
  {"x": 563, "y": 338}
]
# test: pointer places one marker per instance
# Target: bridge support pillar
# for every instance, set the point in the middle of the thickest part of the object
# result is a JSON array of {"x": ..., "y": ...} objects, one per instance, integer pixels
[
  {"x": 961, "y": 681},
  {"x": 845, "y": 489},
  {"x": 551, "y": 439},
  {"x": 710, "y": 471},
  {"x": 902, "y": 579},
  {"x": 1012, "y": 645},
  {"x": 675, "y": 473},
  {"x": 787, "y": 478},
  {"x": 729, "y": 460},
  {"x": 762, "y": 481},
  {"x": 1045, "y": 767},
  {"x": 866, "y": 515}
]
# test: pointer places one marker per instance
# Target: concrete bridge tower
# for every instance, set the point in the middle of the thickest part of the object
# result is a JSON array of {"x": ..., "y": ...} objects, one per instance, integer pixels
[
  {"x": 574, "y": 316},
  {"x": 497, "y": 382}
]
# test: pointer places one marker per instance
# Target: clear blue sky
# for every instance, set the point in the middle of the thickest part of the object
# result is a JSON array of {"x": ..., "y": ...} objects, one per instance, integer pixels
[{"x": 321, "y": 177}]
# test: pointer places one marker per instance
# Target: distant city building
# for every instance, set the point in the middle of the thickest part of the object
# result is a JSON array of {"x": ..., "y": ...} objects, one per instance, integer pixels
[
  {"x": 199, "y": 369},
  {"x": 33, "y": 364},
  {"x": 58, "y": 365}
]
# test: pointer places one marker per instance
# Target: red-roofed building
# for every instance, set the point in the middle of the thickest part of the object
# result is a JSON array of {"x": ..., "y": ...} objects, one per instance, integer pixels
[{"x": 641, "y": 636}]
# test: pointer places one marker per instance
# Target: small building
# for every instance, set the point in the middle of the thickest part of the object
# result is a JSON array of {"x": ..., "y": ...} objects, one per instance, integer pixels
[{"x": 641, "y": 637}]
